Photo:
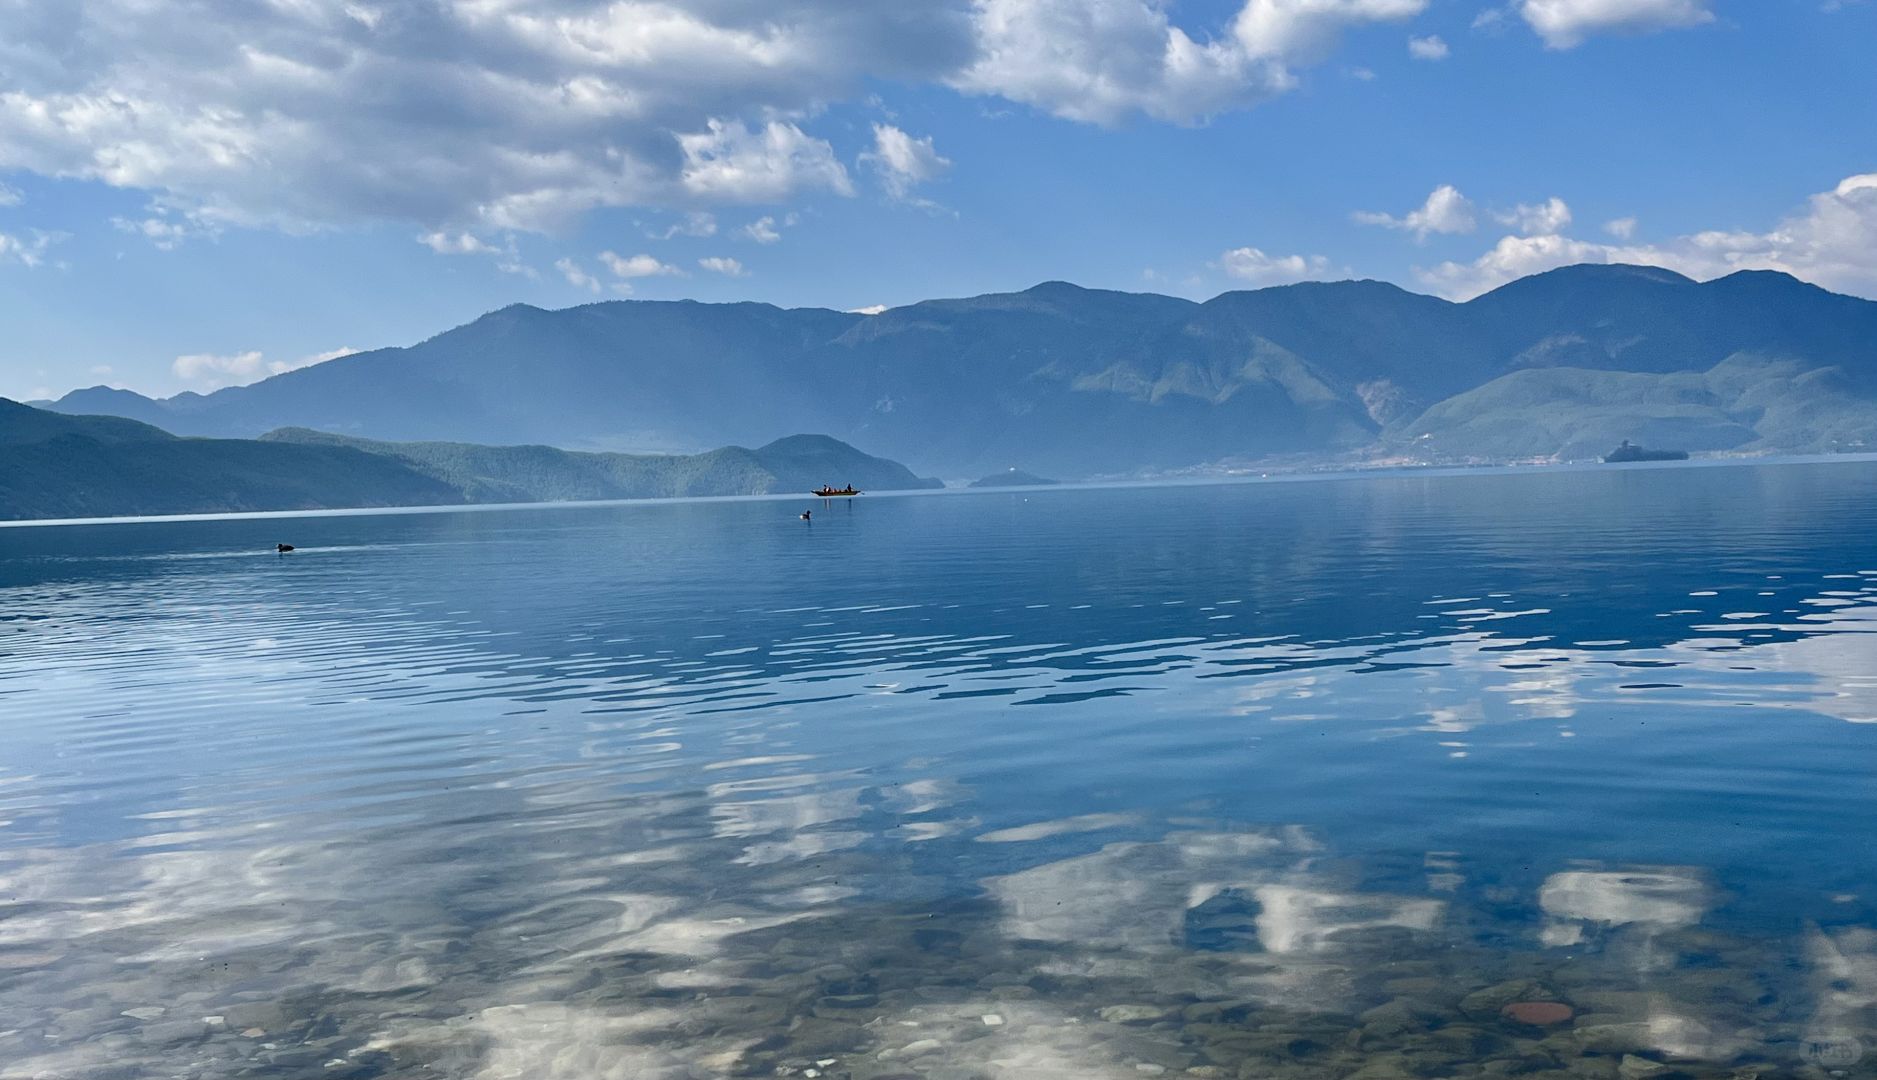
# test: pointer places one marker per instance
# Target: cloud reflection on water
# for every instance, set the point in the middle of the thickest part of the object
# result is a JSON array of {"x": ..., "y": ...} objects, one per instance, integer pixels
[{"x": 589, "y": 818}]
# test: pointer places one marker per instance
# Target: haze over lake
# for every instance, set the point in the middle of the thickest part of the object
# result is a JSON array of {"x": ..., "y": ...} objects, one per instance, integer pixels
[{"x": 1284, "y": 779}]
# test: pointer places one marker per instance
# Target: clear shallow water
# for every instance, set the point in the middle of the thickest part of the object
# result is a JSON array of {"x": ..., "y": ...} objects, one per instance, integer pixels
[{"x": 1292, "y": 779}]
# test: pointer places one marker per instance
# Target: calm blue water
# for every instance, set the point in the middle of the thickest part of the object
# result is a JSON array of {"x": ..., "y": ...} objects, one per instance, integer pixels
[{"x": 1293, "y": 778}]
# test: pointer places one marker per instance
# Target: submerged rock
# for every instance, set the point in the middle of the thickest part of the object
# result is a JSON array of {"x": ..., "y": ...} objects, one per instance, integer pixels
[
  {"x": 1486, "y": 1004},
  {"x": 1639, "y": 1068},
  {"x": 1135, "y": 1014},
  {"x": 1537, "y": 1013}
]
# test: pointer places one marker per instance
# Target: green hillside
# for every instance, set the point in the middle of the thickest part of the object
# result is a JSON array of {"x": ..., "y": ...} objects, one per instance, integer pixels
[
  {"x": 544, "y": 474},
  {"x": 58, "y": 466},
  {"x": 1745, "y": 403},
  {"x": 54, "y": 466}
]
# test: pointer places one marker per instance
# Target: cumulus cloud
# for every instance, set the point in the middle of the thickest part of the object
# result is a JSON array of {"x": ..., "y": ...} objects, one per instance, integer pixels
[
  {"x": 494, "y": 114},
  {"x": 1622, "y": 228},
  {"x": 1430, "y": 47},
  {"x": 1551, "y": 216},
  {"x": 163, "y": 235},
  {"x": 30, "y": 252},
  {"x": 1490, "y": 21},
  {"x": 762, "y": 230},
  {"x": 482, "y": 117},
  {"x": 1104, "y": 61},
  {"x": 729, "y": 162},
  {"x": 507, "y": 255},
  {"x": 164, "y": 229},
  {"x": 1306, "y": 30},
  {"x": 902, "y": 161},
  {"x": 577, "y": 276},
  {"x": 1564, "y": 24},
  {"x": 206, "y": 371},
  {"x": 460, "y": 243},
  {"x": 1445, "y": 211},
  {"x": 637, "y": 266},
  {"x": 718, "y": 264},
  {"x": 1253, "y": 265},
  {"x": 696, "y": 223},
  {"x": 1511, "y": 258},
  {"x": 1831, "y": 241}
]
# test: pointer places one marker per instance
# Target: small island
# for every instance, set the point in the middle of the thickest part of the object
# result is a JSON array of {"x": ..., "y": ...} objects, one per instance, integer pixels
[
  {"x": 1633, "y": 453},
  {"x": 1012, "y": 477}
]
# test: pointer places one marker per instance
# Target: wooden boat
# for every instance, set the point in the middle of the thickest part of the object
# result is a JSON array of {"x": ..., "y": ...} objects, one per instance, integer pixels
[{"x": 829, "y": 492}]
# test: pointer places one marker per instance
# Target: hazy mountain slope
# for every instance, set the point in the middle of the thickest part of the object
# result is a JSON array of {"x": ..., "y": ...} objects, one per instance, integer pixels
[
  {"x": 642, "y": 375},
  {"x": 1074, "y": 381},
  {"x": 1635, "y": 318},
  {"x": 1387, "y": 348},
  {"x": 1746, "y": 402},
  {"x": 55, "y": 466},
  {"x": 485, "y": 474}
]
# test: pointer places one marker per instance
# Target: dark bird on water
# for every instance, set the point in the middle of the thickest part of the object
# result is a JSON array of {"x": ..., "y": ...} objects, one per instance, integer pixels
[
  {"x": 805, "y": 515},
  {"x": 283, "y": 548}
]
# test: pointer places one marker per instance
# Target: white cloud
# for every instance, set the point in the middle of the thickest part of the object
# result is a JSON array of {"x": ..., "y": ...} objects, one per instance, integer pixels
[
  {"x": 1622, "y": 228},
  {"x": 717, "y": 264},
  {"x": 1445, "y": 211},
  {"x": 1831, "y": 241},
  {"x": 762, "y": 230},
  {"x": 10, "y": 196},
  {"x": 469, "y": 114},
  {"x": 695, "y": 223},
  {"x": 870, "y": 309},
  {"x": 206, "y": 371},
  {"x": 1430, "y": 47},
  {"x": 28, "y": 253},
  {"x": 637, "y": 266},
  {"x": 165, "y": 230},
  {"x": 576, "y": 276},
  {"x": 1490, "y": 21},
  {"x": 1511, "y": 258},
  {"x": 163, "y": 235},
  {"x": 461, "y": 243},
  {"x": 1103, "y": 61},
  {"x": 1253, "y": 265},
  {"x": 902, "y": 161},
  {"x": 729, "y": 162},
  {"x": 482, "y": 117},
  {"x": 1550, "y": 216},
  {"x": 1564, "y": 24},
  {"x": 507, "y": 255},
  {"x": 1305, "y": 30}
]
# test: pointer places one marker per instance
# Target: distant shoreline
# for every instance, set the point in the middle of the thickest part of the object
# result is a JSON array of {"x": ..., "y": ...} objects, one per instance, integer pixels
[{"x": 1233, "y": 479}]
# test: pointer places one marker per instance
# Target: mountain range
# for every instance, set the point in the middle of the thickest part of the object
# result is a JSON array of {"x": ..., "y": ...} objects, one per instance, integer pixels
[
  {"x": 58, "y": 466},
  {"x": 1074, "y": 382}
]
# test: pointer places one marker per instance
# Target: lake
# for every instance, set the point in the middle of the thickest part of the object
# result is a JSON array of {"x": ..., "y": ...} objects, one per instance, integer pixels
[{"x": 1311, "y": 778}]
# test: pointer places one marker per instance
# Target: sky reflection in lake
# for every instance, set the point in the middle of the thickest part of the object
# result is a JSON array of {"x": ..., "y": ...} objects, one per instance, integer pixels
[{"x": 1278, "y": 779}]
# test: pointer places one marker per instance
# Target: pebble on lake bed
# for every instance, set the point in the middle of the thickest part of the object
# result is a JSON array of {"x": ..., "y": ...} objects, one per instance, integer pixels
[{"x": 1537, "y": 1013}]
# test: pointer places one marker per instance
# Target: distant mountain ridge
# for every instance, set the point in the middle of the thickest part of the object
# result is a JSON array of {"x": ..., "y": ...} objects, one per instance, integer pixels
[
  {"x": 1076, "y": 381},
  {"x": 58, "y": 466},
  {"x": 488, "y": 474}
]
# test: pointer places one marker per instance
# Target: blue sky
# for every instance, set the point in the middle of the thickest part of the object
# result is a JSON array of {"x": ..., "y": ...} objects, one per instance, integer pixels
[{"x": 201, "y": 192}]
